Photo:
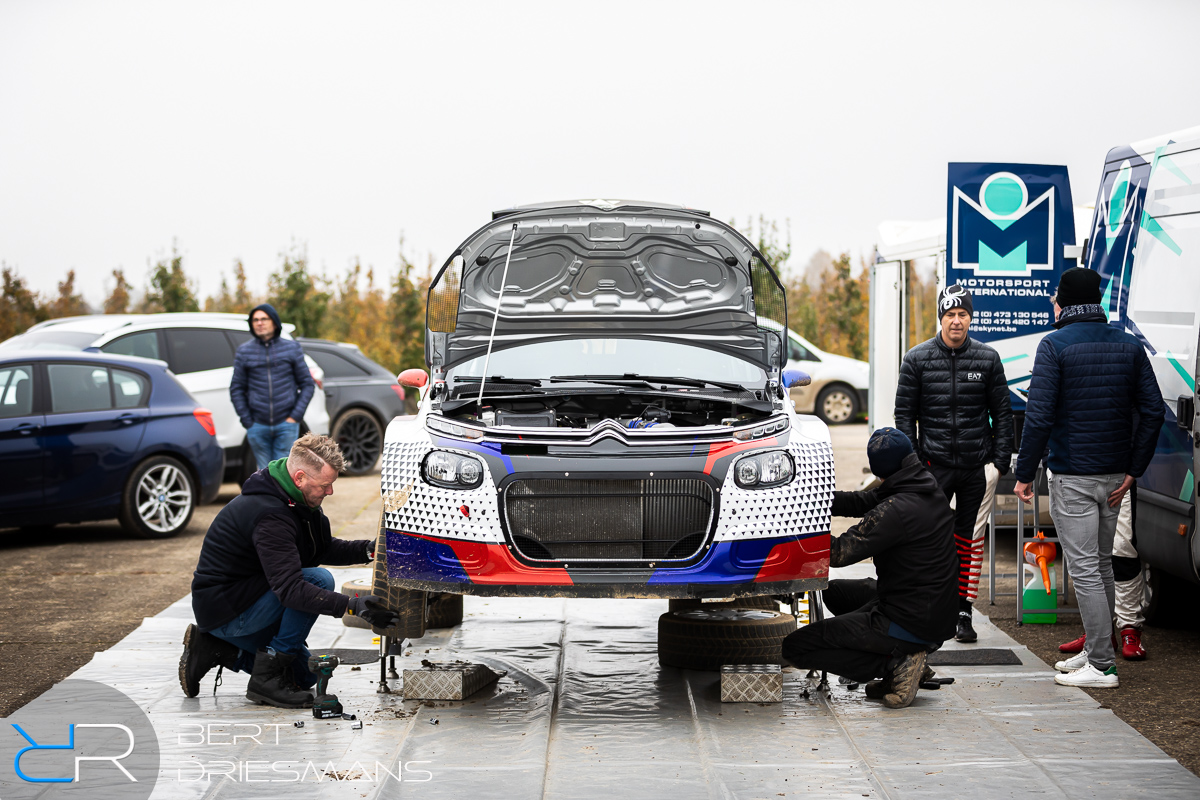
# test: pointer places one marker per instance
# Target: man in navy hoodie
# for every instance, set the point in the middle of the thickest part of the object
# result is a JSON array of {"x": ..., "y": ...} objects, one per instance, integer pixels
[
  {"x": 271, "y": 387},
  {"x": 1090, "y": 380}
]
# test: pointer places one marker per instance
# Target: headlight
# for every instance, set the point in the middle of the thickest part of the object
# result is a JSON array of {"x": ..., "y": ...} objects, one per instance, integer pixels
[
  {"x": 763, "y": 470},
  {"x": 452, "y": 471}
]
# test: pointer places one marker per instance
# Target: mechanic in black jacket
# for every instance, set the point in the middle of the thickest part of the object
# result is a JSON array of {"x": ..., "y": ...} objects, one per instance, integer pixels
[
  {"x": 258, "y": 586},
  {"x": 952, "y": 402},
  {"x": 884, "y": 628}
]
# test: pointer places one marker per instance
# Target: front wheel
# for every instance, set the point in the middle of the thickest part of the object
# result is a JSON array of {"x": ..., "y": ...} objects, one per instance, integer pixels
[
  {"x": 360, "y": 437},
  {"x": 837, "y": 404},
  {"x": 158, "y": 500}
]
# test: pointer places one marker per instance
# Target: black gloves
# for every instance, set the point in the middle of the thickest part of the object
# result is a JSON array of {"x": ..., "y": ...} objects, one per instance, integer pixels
[
  {"x": 372, "y": 611},
  {"x": 370, "y": 551}
]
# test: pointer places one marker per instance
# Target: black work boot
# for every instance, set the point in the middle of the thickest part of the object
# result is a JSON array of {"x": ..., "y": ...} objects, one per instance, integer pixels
[
  {"x": 273, "y": 684},
  {"x": 877, "y": 690},
  {"x": 906, "y": 677},
  {"x": 965, "y": 633},
  {"x": 202, "y": 652}
]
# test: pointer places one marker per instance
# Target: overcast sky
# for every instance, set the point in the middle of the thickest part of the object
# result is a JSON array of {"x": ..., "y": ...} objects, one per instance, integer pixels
[{"x": 236, "y": 129}]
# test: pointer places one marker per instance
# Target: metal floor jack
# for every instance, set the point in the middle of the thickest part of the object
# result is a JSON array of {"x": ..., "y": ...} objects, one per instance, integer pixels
[
  {"x": 387, "y": 662},
  {"x": 816, "y": 613}
]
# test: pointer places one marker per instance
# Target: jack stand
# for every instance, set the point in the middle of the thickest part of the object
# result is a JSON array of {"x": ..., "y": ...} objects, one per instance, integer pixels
[
  {"x": 392, "y": 668},
  {"x": 383, "y": 685}
]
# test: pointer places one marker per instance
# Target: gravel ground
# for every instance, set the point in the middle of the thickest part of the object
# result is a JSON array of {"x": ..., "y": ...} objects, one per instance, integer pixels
[{"x": 77, "y": 589}]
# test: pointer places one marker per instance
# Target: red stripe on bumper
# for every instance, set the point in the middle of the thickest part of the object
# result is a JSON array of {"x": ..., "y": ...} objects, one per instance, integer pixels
[
  {"x": 492, "y": 564},
  {"x": 797, "y": 559}
]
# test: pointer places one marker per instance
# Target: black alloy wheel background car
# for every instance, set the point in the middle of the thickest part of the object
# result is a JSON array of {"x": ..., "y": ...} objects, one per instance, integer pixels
[{"x": 361, "y": 397}]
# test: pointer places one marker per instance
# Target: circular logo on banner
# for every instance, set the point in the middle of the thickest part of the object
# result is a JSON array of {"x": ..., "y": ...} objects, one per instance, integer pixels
[
  {"x": 80, "y": 739},
  {"x": 1003, "y": 195}
]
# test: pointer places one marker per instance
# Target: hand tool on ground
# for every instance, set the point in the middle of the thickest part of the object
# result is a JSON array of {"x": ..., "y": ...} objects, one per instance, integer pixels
[{"x": 325, "y": 705}]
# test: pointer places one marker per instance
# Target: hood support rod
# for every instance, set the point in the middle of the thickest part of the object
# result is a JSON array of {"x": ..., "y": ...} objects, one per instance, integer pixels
[{"x": 488, "y": 357}]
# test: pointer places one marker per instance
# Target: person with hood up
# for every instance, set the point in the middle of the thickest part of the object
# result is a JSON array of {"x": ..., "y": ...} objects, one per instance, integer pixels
[
  {"x": 884, "y": 627},
  {"x": 271, "y": 387}
]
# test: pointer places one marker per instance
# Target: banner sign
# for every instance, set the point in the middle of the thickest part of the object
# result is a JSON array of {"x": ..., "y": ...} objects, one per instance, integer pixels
[{"x": 1006, "y": 225}]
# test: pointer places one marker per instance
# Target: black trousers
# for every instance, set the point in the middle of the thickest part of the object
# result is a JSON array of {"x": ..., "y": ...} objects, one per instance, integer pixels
[
  {"x": 967, "y": 486},
  {"x": 854, "y": 642}
]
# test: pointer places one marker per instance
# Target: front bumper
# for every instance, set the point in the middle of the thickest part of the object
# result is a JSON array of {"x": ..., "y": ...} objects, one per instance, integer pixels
[{"x": 740, "y": 568}]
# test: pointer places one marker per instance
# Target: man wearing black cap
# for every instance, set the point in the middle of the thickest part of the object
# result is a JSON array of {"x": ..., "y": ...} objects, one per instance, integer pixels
[
  {"x": 1089, "y": 380},
  {"x": 952, "y": 401},
  {"x": 884, "y": 628}
]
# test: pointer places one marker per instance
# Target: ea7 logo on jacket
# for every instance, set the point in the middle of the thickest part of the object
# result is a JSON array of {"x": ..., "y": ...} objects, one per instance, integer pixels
[{"x": 974, "y": 376}]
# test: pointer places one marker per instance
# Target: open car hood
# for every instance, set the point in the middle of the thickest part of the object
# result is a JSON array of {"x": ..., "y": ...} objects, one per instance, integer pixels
[{"x": 611, "y": 269}]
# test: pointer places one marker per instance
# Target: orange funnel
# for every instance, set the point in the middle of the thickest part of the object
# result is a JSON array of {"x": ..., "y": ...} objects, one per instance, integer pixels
[{"x": 1041, "y": 553}]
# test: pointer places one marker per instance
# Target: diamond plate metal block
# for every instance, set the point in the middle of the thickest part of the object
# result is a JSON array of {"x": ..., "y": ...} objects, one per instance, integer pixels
[
  {"x": 455, "y": 681},
  {"x": 751, "y": 683}
]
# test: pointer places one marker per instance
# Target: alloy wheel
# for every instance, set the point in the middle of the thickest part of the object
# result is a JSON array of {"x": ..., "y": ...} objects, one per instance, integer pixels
[
  {"x": 163, "y": 498},
  {"x": 360, "y": 439},
  {"x": 837, "y": 407}
]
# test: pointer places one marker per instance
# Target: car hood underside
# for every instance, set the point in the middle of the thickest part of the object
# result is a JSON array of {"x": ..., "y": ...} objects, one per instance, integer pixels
[{"x": 659, "y": 273}]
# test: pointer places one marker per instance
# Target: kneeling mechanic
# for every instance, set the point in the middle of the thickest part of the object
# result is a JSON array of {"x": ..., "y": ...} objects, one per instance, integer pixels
[
  {"x": 884, "y": 628},
  {"x": 258, "y": 587}
]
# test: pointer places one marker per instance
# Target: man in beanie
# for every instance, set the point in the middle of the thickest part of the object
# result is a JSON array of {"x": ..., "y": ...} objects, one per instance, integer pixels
[
  {"x": 1089, "y": 381},
  {"x": 884, "y": 627},
  {"x": 952, "y": 401}
]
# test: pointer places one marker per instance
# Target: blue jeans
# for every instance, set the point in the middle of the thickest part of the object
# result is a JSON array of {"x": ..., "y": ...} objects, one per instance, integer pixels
[
  {"x": 271, "y": 442},
  {"x": 268, "y": 624}
]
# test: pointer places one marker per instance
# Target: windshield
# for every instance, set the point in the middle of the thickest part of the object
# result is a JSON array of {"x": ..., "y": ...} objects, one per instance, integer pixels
[
  {"x": 612, "y": 357},
  {"x": 50, "y": 339}
]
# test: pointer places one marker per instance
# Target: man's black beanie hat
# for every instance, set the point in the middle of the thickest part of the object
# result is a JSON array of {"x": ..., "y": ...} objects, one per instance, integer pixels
[
  {"x": 955, "y": 296},
  {"x": 1079, "y": 286}
]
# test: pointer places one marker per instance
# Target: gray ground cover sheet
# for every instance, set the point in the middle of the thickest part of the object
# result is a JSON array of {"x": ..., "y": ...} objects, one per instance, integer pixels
[{"x": 586, "y": 711}]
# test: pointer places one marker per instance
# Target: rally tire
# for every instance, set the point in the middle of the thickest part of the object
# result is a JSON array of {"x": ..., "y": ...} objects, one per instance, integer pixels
[
  {"x": 445, "y": 610},
  {"x": 837, "y": 404},
  {"x": 158, "y": 499},
  {"x": 360, "y": 437},
  {"x": 705, "y": 639},
  {"x": 352, "y": 589},
  {"x": 765, "y": 602},
  {"x": 410, "y": 604}
]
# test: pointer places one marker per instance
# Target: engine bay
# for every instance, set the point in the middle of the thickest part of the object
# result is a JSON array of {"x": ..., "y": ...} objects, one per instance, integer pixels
[{"x": 631, "y": 409}]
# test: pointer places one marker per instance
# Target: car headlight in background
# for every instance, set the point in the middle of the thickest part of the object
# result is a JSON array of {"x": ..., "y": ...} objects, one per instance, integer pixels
[
  {"x": 763, "y": 470},
  {"x": 452, "y": 471}
]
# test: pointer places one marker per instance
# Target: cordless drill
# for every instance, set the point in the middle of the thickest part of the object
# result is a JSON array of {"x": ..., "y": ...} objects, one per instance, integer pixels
[{"x": 325, "y": 705}]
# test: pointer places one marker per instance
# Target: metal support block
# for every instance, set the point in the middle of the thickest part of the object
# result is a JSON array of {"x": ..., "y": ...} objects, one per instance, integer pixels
[
  {"x": 455, "y": 681},
  {"x": 751, "y": 683}
]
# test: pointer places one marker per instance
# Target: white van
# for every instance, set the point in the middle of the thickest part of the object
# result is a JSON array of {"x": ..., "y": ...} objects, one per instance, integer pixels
[
  {"x": 198, "y": 348},
  {"x": 1145, "y": 243}
]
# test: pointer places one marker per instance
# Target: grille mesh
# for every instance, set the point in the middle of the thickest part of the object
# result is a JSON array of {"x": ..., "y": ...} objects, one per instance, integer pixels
[{"x": 653, "y": 519}]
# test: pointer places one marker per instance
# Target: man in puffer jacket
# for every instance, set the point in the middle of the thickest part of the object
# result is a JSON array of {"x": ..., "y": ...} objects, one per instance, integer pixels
[
  {"x": 1089, "y": 382},
  {"x": 953, "y": 403},
  {"x": 271, "y": 387}
]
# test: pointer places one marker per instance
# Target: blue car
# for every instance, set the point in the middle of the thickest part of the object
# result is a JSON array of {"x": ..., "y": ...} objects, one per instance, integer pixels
[{"x": 88, "y": 436}]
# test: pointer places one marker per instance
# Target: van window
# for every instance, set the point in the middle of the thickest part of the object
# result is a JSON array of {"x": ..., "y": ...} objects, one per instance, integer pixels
[
  {"x": 143, "y": 345},
  {"x": 798, "y": 352},
  {"x": 16, "y": 391},
  {"x": 196, "y": 350},
  {"x": 1164, "y": 288}
]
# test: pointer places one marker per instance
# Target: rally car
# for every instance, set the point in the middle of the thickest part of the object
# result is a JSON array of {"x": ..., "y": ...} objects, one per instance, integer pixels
[{"x": 605, "y": 415}]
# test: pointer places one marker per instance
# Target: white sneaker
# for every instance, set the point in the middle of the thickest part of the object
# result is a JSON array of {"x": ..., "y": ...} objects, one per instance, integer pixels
[
  {"x": 1073, "y": 663},
  {"x": 1089, "y": 676}
]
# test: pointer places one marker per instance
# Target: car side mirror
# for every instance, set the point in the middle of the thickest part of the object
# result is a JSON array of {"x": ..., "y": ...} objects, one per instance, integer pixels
[
  {"x": 414, "y": 377},
  {"x": 794, "y": 377}
]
